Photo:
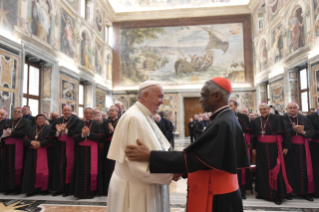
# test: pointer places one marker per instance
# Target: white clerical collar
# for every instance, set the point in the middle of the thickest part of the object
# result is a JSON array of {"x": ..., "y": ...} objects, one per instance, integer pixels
[
  {"x": 144, "y": 109},
  {"x": 219, "y": 109}
]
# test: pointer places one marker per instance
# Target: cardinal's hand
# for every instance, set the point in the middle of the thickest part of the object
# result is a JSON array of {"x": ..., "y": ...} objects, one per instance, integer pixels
[{"x": 139, "y": 153}]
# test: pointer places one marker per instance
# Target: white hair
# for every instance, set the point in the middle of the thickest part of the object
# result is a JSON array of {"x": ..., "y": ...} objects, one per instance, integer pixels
[
  {"x": 148, "y": 89},
  {"x": 263, "y": 104},
  {"x": 213, "y": 88}
]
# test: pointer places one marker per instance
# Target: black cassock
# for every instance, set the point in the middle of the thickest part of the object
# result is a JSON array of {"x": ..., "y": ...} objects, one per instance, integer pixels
[
  {"x": 314, "y": 149},
  {"x": 2, "y": 127},
  {"x": 220, "y": 149},
  {"x": 84, "y": 175},
  {"x": 267, "y": 154},
  {"x": 12, "y": 163},
  {"x": 31, "y": 119},
  {"x": 296, "y": 159},
  {"x": 246, "y": 182},
  {"x": 63, "y": 149},
  {"x": 37, "y": 172}
]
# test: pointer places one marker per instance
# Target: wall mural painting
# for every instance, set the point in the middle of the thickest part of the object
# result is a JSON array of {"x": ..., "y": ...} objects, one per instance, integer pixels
[
  {"x": 47, "y": 85},
  {"x": 41, "y": 20},
  {"x": 247, "y": 100},
  {"x": 277, "y": 94},
  {"x": 277, "y": 45},
  {"x": 8, "y": 14},
  {"x": 100, "y": 99},
  {"x": 8, "y": 72},
  {"x": 183, "y": 54},
  {"x": 263, "y": 96},
  {"x": 7, "y": 100},
  {"x": 294, "y": 91},
  {"x": 109, "y": 67},
  {"x": 73, "y": 3},
  {"x": 263, "y": 55},
  {"x": 317, "y": 81},
  {"x": 273, "y": 5},
  {"x": 99, "y": 21},
  {"x": 296, "y": 29},
  {"x": 316, "y": 14},
  {"x": 67, "y": 35},
  {"x": 98, "y": 58},
  {"x": 67, "y": 90},
  {"x": 86, "y": 53}
]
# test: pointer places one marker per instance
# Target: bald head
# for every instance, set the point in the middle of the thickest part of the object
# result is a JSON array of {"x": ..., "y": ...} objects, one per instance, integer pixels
[
  {"x": 67, "y": 111},
  {"x": 54, "y": 116},
  {"x": 3, "y": 114},
  {"x": 292, "y": 108}
]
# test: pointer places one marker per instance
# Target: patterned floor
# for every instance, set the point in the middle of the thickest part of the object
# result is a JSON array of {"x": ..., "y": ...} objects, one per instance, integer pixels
[{"x": 178, "y": 201}]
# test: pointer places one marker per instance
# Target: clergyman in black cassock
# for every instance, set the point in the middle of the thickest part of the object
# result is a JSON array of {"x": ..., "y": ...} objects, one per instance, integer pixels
[
  {"x": 39, "y": 155},
  {"x": 244, "y": 175},
  {"x": 63, "y": 130},
  {"x": 13, "y": 153},
  {"x": 200, "y": 127},
  {"x": 314, "y": 149},
  {"x": 270, "y": 141},
  {"x": 190, "y": 126},
  {"x": 298, "y": 160},
  {"x": 85, "y": 170},
  {"x": 211, "y": 161},
  {"x": 27, "y": 115}
]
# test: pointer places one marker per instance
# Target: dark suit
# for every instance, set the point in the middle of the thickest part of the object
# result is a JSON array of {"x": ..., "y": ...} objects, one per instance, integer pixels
[
  {"x": 194, "y": 128},
  {"x": 200, "y": 127},
  {"x": 191, "y": 130}
]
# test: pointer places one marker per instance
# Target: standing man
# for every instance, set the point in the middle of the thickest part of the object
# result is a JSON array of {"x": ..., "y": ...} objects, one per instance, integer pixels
[
  {"x": 191, "y": 129},
  {"x": 244, "y": 175},
  {"x": 12, "y": 155},
  {"x": 133, "y": 188},
  {"x": 63, "y": 130},
  {"x": 312, "y": 110},
  {"x": 298, "y": 160},
  {"x": 85, "y": 169},
  {"x": 53, "y": 116},
  {"x": 195, "y": 124},
  {"x": 160, "y": 125},
  {"x": 3, "y": 119},
  {"x": 314, "y": 149},
  {"x": 27, "y": 114},
  {"x": 212, "y": 161},
  {"x": 120, "y": 109},
  {"x": 270, "y": 142},
  {"x": 244, "y": 111},
  {"x": 39, "y": 155},
  {"x": 200, "y": 127}
]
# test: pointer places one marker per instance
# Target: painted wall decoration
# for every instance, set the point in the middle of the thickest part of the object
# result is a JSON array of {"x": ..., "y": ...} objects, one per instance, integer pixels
[
  {"x": 294, "y": 91},
  {"x": 99, "y": 21},
  {"x": 296, "y": 29},
  {"x": 46, "y": 106},
  {"x": 109, "y": 67},
  {"x": 293, "y": 75},
  {"x": 9, "y": 75},
  {"x": 247, "y": 100},
  {"x": 86, "y": 53},
  {"x": 67, "y": 90},
  {"x": 277, "y": 45},
  {"x": 100, "y": 99},
  {"x": 67, "y": 34},
  {"x": 274, "y": 5},
  {"x": 317, "y": 81},
  {"x": 9, "y": 15},
  {"x": 263, "y": 55},
  {"x": 182, "y": 54},
  {"x": 316, "y": 15},
  {"x": 41, "y": 19},
  {"x": 46, "y": 82},
  {"x": 73, "y": 4},
  {"x": 277, "y": 95},
  {"x": 98, "y": 58}
]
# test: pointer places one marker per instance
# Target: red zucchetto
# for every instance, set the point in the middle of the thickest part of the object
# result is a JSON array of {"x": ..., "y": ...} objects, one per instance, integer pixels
[{"x": 223, "y": 83}]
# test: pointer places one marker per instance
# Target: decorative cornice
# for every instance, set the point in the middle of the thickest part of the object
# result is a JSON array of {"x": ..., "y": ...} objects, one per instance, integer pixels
[{"x": 182, "y": 13}]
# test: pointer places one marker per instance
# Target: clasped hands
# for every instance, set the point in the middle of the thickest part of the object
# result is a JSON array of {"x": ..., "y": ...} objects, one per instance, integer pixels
[
  {"x": 85, "y": 131},
  {"x": 141, "y": 153},
  {"x": 60, "y": 128},
  {"x": 8, "y": 133},
  {"x": 298, "y": 128},
  {"x": 111, "y": 128},
  {"x": 35, "y": 144}
]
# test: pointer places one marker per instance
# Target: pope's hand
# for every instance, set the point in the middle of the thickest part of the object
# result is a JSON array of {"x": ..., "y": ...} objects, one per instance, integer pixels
[
  {"x": 139, "y": 153},
  {"x": 176, "y": 177}
]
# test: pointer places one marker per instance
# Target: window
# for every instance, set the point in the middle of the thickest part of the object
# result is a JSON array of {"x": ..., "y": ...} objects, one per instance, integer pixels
[
  {"x": 81, "y": 100},
  {"x": 88, "y": 9},
  {"x": 82, "y": 5},
  {"x": 261, "y": 18},
  {"x": 31, "y": 87},
  {"x": 303, "y": 90}
]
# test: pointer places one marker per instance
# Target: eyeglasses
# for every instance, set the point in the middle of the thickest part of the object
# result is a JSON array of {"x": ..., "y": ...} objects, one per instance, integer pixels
[{"x": 17, "y": 111}]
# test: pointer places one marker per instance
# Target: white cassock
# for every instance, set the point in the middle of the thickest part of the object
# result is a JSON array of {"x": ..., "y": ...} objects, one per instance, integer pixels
[{"x": 133, "y": 188}]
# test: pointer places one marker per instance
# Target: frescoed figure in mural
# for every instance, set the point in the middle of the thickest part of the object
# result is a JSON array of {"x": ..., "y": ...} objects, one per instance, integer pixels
[
  {"x": 296, "y": 27},
  {"x": 263, "y": 55},
  {"x": 99, "y": 20},
  {"x": 273, "y": 4},
  {"x": 98, "y": 59},
  {"x": 316, "y": 12},
  {"x": 277, "y": 47},
  {"x": 86, "y": 52},
  {"x": 109, "y": 67},
  {"x": 41, "y": 17},
  {"x": 67, "y": 44}
]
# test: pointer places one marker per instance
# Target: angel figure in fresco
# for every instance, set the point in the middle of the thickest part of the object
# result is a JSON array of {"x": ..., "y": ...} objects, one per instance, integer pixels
[
  {"x": 24, "y": 25},
  {"x": 41, "y": 15},
  {"x": 263, "y": 55},
  {"x": 86, "y": 52},
  {"x": 68, "y": 35},
  {"x": 276, "y": 50},
  {"x": 296, "y": 30},
  {"x": 98, "y": 59},
  {"x": 99, "y": 19}
]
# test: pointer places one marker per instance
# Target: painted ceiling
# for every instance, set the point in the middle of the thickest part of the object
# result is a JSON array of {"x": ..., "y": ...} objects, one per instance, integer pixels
[{"x": 148, "y": 5}]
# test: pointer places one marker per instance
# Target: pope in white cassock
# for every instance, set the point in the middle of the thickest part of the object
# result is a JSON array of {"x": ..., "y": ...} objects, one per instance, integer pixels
[{"x": 133, "y": 188}]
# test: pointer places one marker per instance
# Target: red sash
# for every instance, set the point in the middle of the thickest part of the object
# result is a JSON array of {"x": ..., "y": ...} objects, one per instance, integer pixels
[
  {"x": 315, "y": 140},
  {"x": 280, "y": 162},
  {"x": 18, "y": 163},
  {"x": 42, "y": 170},
  {"x": 298, "y": 139},
  {"x": 243, "y": 171},
  {"x": 204, "y": 184},
  {"x": 94, "y": 161},
  {"x": 69, "y": 143}
]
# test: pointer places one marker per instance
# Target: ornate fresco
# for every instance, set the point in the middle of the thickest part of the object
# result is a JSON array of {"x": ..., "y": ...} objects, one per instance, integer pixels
[{"x": 68, "y": 92}]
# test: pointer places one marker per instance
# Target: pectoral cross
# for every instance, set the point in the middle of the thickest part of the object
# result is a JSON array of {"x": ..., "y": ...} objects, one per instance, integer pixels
[
  {"x": 36, "y": 137},
  {"x": 263, "y": 133}
]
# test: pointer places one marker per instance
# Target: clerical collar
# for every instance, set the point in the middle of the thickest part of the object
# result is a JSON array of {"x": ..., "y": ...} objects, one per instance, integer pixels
[
  {"x": 218, "y": 110},
  {"x": 144, "y": 109},
  {"x": 292, "y": 116},
  {"x": 266, "y": 116}
]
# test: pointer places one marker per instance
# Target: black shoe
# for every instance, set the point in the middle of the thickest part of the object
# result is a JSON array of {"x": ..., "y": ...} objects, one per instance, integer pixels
[
  {"x": 16, "y": 193},
  {"x": 243, "y": 196},
  {"x": 7, "y": 193},
  {"x": 308, "y": 197},
  {"x": 65, "y": 195},
  {"x": 56, "y": 193},
  {"x": 30, "y": 194},
  {"x": 45, "y": 192},
  {"x": 277, "y": 201},
  {"x": 289, "y": 197},
  {"x": 259, "y": 197}
]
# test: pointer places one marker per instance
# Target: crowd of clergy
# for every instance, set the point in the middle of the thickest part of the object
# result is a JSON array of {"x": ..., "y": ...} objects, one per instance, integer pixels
[
  {"x": 286, "y": 150},
  {"x": 64, "y": 155}
]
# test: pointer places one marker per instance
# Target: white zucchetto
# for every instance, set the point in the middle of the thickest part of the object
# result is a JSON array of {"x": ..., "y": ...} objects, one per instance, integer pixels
[{"x": 147, "y": 84}]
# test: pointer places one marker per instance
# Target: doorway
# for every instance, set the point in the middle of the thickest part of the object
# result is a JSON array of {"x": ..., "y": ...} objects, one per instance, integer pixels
[{"x": 192, "y": 106}]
